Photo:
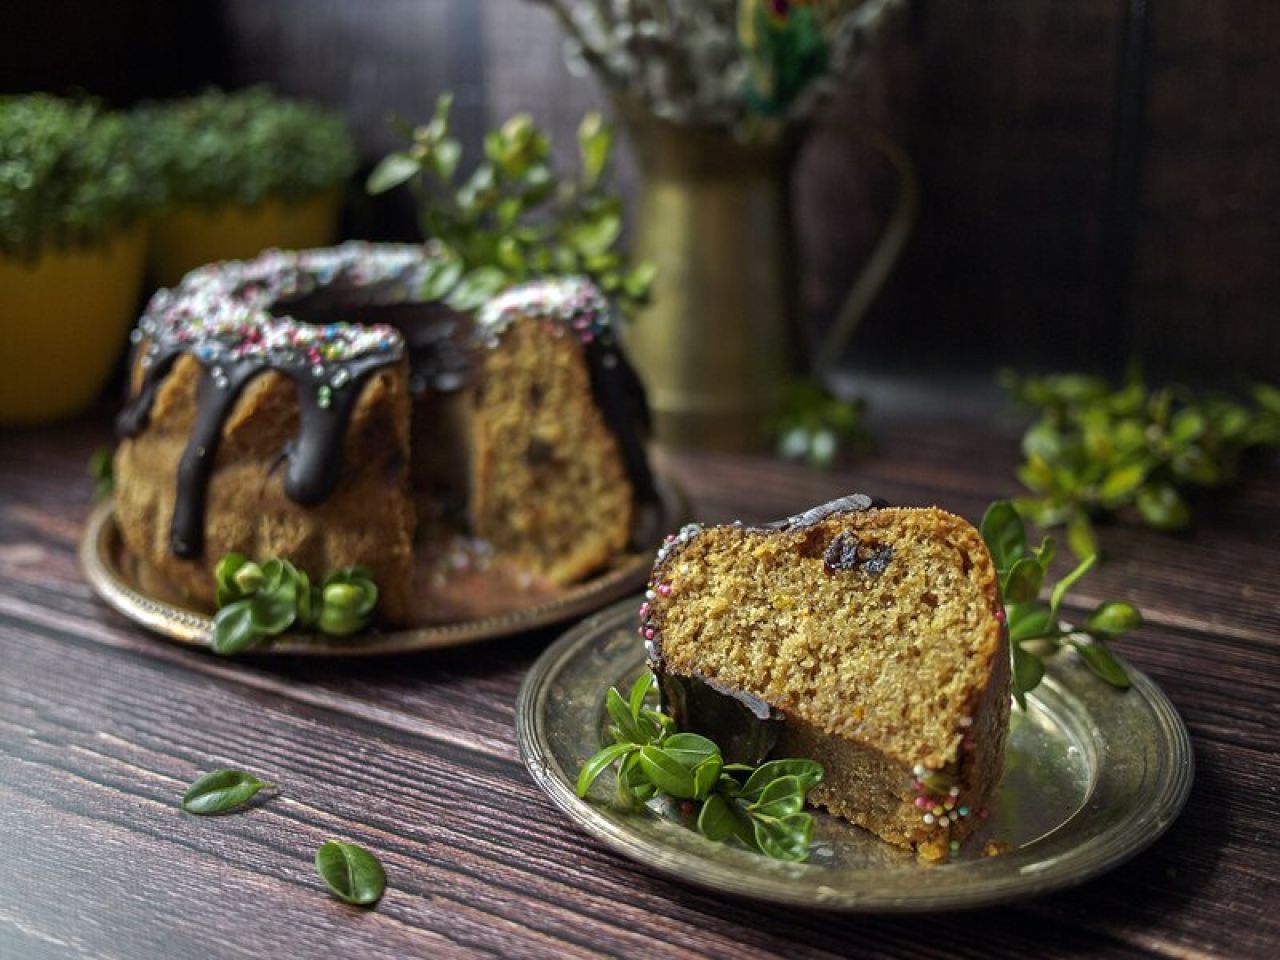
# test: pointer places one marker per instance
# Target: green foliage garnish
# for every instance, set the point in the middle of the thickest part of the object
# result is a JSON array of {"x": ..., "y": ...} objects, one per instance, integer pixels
[
  {"x": 763, "y": 807},
  {"x": 1035, "y": 630},
  {"x": 513, "y": 219},
  {"x": 259, "y": 601},
  {"x": 352, "y": 873},
  {"x": 221, "y": 791},
  {"x": 1096, "y": 451},
  {"x": 102, "y": 471},
  {"x": 68, "y": 176},
  {"x": 814, "y": 424},
  {"x": 242, "y": 147}
]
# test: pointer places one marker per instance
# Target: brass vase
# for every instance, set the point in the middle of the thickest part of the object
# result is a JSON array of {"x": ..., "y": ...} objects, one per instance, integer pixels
[
  {"x": 720, "y": 339},
  {"x": 715, "y": 346}
]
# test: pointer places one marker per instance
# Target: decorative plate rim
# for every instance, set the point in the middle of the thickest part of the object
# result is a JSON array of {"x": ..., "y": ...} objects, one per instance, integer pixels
[
  {"x": 99, "y": 543},
  {"x": 1087, "y": 843}
]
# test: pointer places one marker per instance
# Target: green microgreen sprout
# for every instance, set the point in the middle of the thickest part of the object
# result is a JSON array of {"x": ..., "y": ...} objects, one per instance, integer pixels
[
  {"x": 1035, "y": 630},
  {"x": 1097, "y": 451},
  {"x": 814, "y": 424},
  {"x": 762, "y": 807},
  {"x": 257, "y": 601},
  {"x": 513, "y": 218}
]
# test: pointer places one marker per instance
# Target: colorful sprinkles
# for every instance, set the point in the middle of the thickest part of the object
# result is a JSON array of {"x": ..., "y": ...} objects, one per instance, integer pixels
[
  {"x": 223, "y": 313},
  {"x": 937, "y": 797},
  {"x": 570, "y": 303}
]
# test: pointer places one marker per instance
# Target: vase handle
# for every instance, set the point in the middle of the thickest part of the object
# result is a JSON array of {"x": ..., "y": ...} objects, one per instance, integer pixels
[{"x": 882, "y": 259}]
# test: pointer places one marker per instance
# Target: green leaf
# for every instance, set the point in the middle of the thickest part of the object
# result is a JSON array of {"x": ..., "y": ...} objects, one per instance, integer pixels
[
  {"x": 1028, "y": 671},
  {"x": 391, "y": 171},
  {"x": 1066, "y": 583},
  {"x": 273, "y": 610},
  {"x": 706, "y": 775},
  {"x": 1028, "y": 621},
  {"x": 667, "y": 773},
  {"x": 594, "y": 142},
  {"x": 599, "y": 763},
  {"x": 781, "y": 798},
  {"x": 1080, "y": 537},
  {"x": 596, "y": 236},
  {"x": 690, "y": 749},
  {"x": 628, "y": 726},
  {"x": 1120, "y": 483},
  {"x": 785, "y": 839},
  {"x": 1004, "y": 534},
  {"x": 1022, "y": 582},
  {"x": 639, "y": 691},
  {"x": 1102, "y": 662},
  {"x": 439, "y": 278},
  {"x": 352, "y": 873},
  {"x": 102, "y": 471},
  {"x": 1163, "y": 508},
  {"x": 233, "y": 628},
  {"x": 477, "y": 287},
  {"x": 224, "y": 578},
  {"x": 443, "y": 158},
  {"x": 808, "y": 772},
  {"x": 717, "y": 819},
  {"x": 639, "y": 280},
  {"x": 1113, "y": 617},
  {"x": 221, "y": 791}
]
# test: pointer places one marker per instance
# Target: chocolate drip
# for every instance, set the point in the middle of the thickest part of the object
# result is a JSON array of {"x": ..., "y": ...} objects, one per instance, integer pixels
[
  {"x": 315, "y": 455},
  {"x": 620, "y": 396},
  {"x": 136, "y": 412},
  {"x": 745, "y": 727},
  {"x": 215, "y": 397}
]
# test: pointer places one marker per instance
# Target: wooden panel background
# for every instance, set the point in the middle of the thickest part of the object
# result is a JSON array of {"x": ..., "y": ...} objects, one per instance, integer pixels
[{"x": 1057, "y": 229}]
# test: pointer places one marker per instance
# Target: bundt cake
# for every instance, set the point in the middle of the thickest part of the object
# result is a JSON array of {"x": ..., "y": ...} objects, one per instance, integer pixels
[
  {"x": 310, "y": 405},
  {"x": 867, "y": 638}
]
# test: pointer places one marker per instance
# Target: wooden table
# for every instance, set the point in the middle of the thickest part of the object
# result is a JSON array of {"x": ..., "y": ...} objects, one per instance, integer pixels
[{"x": 102, "y": 726}]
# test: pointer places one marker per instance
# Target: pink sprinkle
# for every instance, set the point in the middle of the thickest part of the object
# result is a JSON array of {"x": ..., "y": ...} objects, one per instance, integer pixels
[
  {"x": 649, "y": 633},
  {"x": 644, "y": 609},
  {"x": 1000, "y": 615},
  {"x": 921, "y": 802},
  {"x": 665, "y": 589},
  {"x": 982, "y": 814}
]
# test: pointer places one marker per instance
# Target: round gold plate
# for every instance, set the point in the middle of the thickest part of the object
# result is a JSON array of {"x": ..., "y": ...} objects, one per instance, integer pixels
[
  {"x": 1092, "y": 776},
  {"x": 105, "y": 565}
]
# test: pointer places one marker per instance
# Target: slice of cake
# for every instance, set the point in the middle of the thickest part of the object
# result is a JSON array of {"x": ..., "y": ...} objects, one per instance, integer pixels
[{"x": 870, "y": 639}]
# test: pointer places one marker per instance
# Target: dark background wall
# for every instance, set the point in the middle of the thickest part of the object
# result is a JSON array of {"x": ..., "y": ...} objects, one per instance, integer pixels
[{"x": 1101, "y": 178}]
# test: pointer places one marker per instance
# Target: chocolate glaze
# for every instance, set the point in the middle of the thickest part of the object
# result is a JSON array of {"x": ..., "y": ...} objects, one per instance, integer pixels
[
  {"x": 218, "y": 317},
  {"x": 745, "y": 727},
  {"x": 619, "y": 395}
]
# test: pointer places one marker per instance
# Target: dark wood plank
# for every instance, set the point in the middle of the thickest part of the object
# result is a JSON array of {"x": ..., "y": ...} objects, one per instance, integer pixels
[
  {"x": 99, "y": 743},
  {"x": 101, "y": 727}
]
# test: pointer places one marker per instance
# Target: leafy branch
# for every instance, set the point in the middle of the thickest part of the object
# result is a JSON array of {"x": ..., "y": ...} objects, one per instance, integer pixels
[
  {"x": 512, "y": 218},
  {"x": 259, "y": 601},
  {"x": 763, "y": 807},
  {"x": 1096, "y": 451},
  {"x": 1035, "y": 630}
]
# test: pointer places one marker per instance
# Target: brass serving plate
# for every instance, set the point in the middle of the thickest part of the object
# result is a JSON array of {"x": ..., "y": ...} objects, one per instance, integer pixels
[
  {"x": 107, "y": 568},
  {"x": 1093, "y": 775}
]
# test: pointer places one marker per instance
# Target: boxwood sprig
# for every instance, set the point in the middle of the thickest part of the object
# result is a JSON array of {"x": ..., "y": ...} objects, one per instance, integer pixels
[
  {"x": 762, "y": 807},
  {"x": 1035, "y": 630},
  {"x": 1135, "y": 452},
  {"x": 257, "y": 601}
]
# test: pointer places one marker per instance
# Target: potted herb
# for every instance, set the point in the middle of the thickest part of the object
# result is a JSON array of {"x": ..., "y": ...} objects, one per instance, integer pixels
[
  {"x": 72, "y": 245},
  {"x": 240, "y": 172}
]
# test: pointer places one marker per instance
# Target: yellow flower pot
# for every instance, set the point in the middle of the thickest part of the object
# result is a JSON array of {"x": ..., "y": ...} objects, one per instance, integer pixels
[
  {"x": 63, "y": 323},
  {"x": 191, "y": 236}
]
